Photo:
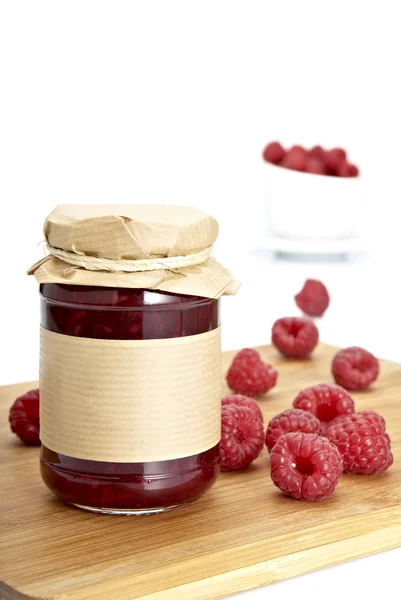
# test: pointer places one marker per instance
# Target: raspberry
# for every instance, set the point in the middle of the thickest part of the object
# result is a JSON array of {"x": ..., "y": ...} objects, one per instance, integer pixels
[
  {"x": 313, "y": 299},
  {"x": 242, "y": 437},
  {"x": 295, "y": 159},
  {"x": 346, "y": 169},
  {"x": 239, "y": 400},
  {"x": 317, "y": 152},
  {"x": 274, "y": 153},
  {"x": 295, "y": 337},
  {"x": 355, "y": 368},
  {"x": 370, "y": 416},
  {"x": 248, "y": 355},
  {"x": 325, "y": 401},
  {"x": 289, "y": 420},
  {"x": 249, "y": 375},
  {"x": 333, "y": 159},
  {"x": 315, "y": 165},
  {"x": 24, "y": 418},
  {"x": 298, "y": 148},
  {"x": 305, "y": 466},
  {"x": 362, "y": 441}
]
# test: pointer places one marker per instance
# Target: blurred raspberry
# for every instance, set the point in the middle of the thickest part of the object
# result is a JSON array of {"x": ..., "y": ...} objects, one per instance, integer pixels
[
  {"x": 274, "y": 153},
  {"x": 315, "y": 165},
  {"x": 249, "y": 375},
  {"x": 362, "y": 441},
  {"x": 317, "y": 152},
  {"x": 295, "y": 159},
  {"x": 313, "y": 299},
  {"x": 355, "y": 368},
  {"x": 240, "y": 400},
  {"x": 248, "y": 355},
  {"x": 289, "y": 420},
  {"x": 24, "y": 418},
  {"x": 333, "y": 158},
  {"x": 346, "y": 169},
  {"x": 242, "y": 437},
  {"x": 305, "y": 466},
  {"x": 325, "y": 401},
  {"x": 295, "y": 337}
]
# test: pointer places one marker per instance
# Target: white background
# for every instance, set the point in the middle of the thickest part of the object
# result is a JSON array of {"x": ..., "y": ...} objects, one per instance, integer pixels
[{"x": 172, "y": 102}]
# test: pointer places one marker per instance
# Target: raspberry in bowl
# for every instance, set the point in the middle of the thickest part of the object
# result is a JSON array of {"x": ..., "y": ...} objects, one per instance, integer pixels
[{"x": 311, "y": 195}]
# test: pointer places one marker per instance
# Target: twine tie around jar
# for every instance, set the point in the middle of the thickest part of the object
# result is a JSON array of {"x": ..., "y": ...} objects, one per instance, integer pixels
[{"x": 93, "y": 263}]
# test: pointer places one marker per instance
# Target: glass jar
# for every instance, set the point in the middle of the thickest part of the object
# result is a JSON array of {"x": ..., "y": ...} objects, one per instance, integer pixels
[{"x": 107, "y": 313}]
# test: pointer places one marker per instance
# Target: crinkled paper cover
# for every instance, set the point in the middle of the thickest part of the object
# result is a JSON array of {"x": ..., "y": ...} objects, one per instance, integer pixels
[{"x": 134, "y": 232}]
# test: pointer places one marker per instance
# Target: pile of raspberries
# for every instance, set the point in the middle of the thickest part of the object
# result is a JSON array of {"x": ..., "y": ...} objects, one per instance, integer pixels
[
  {"x": 317, "y": 160},
  {"x": 322, "y": 436},
  {"x": 311, "y": 444}
]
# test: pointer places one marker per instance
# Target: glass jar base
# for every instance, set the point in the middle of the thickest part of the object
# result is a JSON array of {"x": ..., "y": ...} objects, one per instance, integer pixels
[{"x": 136, "y": 512}]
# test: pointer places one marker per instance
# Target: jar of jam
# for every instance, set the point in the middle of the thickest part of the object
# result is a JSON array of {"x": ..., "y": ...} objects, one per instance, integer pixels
[{"x": 130, "y": 371}]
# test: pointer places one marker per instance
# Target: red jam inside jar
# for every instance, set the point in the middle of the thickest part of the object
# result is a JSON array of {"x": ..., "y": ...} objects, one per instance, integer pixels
[{"x": 127, "y": 314}]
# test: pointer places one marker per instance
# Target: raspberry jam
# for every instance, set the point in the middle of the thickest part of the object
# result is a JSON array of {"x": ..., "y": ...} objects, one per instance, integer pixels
[{"x": 127, "y": 314}]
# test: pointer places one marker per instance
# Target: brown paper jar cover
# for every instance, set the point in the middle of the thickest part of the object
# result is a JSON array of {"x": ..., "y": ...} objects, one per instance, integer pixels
[{"x": 135, "y": 232}]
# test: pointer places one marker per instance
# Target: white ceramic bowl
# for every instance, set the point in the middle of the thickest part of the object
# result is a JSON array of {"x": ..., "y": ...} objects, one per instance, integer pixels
[{"x": 305, "y": 206}]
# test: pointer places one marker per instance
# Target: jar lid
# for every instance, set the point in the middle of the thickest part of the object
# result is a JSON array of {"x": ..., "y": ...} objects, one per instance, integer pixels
[
  {"x": 130, "y": 231},
  {"x": 134, "y": 246}
]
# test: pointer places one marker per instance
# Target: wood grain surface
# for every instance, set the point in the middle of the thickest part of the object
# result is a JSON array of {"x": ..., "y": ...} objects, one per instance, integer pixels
[{"x": 241, "y": 534}]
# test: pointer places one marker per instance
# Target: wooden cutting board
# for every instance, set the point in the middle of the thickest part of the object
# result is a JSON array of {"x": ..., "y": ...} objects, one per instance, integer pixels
[{"x": 241, "y": 534}]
